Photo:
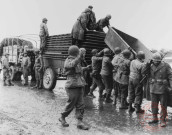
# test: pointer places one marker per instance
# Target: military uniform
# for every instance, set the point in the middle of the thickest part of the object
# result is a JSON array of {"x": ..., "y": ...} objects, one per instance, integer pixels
[
  {"x": 101, "y": 24},
  {"x": 80, "y": 26},
  {"x": 160, "y": 80},
  {"x": 106, "y": 73},
  {"x": 122, "y": 77},
  {"x": 115, "y": 62},
  {"x": 135, "y": 89},
  {"x": 26, "y": 65},
  {"x": 97, "y": 79},
  {"x": 6, "y": 71},
  {"x": 38, "y": 67},
  {"x": 43, "y": 35}
]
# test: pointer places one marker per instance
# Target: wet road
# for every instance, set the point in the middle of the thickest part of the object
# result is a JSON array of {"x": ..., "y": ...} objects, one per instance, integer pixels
[{"x": 26, "y": 111}]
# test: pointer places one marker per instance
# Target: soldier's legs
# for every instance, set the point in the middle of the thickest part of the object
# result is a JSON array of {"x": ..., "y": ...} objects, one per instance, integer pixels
[
  {"x": 42, "y": 43},
  {"x": 4, "y": 76},
  {"x": 163, "y": 103},
  {"x": 80, "y": 105},
  {"x": 25, "y": 76},
  {"x": 154, "y": 107},
  {"x": 73, "y": 96},
  {"x": 124, "y": 92},
  {"x": 139, "y": 95},
  {"x": 108, "y": 82},
  {"x": 131, "y": 95}
]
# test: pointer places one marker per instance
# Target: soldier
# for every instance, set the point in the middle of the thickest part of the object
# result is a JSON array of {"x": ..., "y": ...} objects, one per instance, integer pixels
[
  {"x": 38, "y": 67},
  {"x": 160, "y": 82},
  {"x": 0, "y": 65},
  {"x": 96, "y": 67},
  {"x": 135, "y": 89},
  {"x": 74, "y": 87},
  {"x": 92, "y": 22},
  {"x": 103, "y": 23},
  {"x": 106, "y": 73},
  {"x": 122, "y": 76},
  {"x": 115, "y": 60},
  {"x": 43, "y": 33},
  {"x": 6, "y": 71},
  {"x": 26, "y": 63},
  {"x": 80, "y": 27}
]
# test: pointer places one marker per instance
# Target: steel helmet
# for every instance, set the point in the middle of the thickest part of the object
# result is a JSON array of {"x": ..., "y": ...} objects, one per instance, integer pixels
[
  {"x": 156, "y": 57},
  {"x": 44, "y": 19},
  {"x": 141, "y": 55},
  {"x": 106, "y": 51},
  {"x": 87, "y": 10},
  {"x": 90, "y": 6},
  {"x": 73, "y": 50},
  {"x": 82, "y": 49},
  {"x": 126, "y": 53},
  {"x": 108, "y": 16},
  {"x": 94, "y": 51},
  {"x": 6, "y": 54},
  {"x": 117, "y": 50}
]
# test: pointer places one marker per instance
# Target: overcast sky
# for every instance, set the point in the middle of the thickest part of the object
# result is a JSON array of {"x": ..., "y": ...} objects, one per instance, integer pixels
[{"x": 148, "y": 20}]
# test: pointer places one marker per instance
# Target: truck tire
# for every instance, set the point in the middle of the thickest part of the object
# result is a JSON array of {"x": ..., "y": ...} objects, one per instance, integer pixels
[{"x": 49, "y": 79}]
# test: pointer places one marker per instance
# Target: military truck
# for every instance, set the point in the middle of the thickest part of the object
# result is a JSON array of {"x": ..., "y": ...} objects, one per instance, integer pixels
[{"x": 15, "y": 46}]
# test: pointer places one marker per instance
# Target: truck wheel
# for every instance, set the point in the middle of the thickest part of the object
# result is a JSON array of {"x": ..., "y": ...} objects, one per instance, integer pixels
[{"x": 49, "y": 79}]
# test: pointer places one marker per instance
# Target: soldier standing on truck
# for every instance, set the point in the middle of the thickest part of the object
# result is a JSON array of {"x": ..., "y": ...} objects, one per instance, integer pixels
[
  {"x": 6, "y": 71},
  {"x": 122, "y": 77},
  {"x": 135, "y": 89},
  {"x": 160, "y": 80},
  {"x": 106, "y": 73},
  {"x": 38, "y": 67},
  {"x": 74, "y": 88},
  {"x": 43, "y": 34},
  {"x": 26, "y": 63},
  {"x": 103, "y": 23},
  {"x": 80, "y": 27},
  {"x": 117, "y": 91},
  {"x": 92, "y": 22}
]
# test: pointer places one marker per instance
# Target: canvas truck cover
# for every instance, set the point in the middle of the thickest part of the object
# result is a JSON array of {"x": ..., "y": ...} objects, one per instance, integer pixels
[{"x": 115, "y": 38}]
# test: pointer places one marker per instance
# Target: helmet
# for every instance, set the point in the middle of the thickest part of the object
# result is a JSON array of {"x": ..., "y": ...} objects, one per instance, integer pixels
[
  {"x": 156, "y": 57},
  {"x": 90, "y": 6},
  {"x": 141, "y": 55},
  {"x": 126, "y": 53},
  {"x": 44, "y": 19},
  {"x": 117, "y": 50},
  {"x": 108, "y": 16},
  {"x": 87, "y": 10},
  {"x": 73, "y": 50},
  {"x": 106, "y": 51},
  {"x": 6, "y": 54},
  {"x": 94, "y": 51},
  {"x": 82, "y": 49}
]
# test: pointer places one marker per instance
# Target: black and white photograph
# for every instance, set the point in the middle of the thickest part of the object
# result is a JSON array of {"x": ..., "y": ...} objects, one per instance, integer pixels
[{"x": 86, "y": 67}]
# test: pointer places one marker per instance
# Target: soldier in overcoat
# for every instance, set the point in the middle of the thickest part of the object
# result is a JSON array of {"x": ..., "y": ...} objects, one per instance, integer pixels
[{"x": 160, "y": 80}]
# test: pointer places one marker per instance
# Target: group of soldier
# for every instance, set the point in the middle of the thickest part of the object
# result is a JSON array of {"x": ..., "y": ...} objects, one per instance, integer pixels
[{"x": 124, "y": 75}]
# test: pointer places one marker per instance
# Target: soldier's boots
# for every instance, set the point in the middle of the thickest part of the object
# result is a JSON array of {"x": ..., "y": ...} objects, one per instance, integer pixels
[
  {"x": 123, "y": 105},
  {"x": 81, "y": 125},
  {"x": 131, "y": 109},
  {"x": 108, "y": 99},
  {"x": 138, "y": 109},
  {"x": 63, "y": 121},
  {"x": 114, "y": 100},
  {"x": 163, "y": 123},
  {"x": 154, "y": 120},
  {"x": 10, "y": 83}
]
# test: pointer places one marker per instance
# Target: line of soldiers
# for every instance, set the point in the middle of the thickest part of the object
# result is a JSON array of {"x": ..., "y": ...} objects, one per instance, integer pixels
[{"x": 122, "y": 74}]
